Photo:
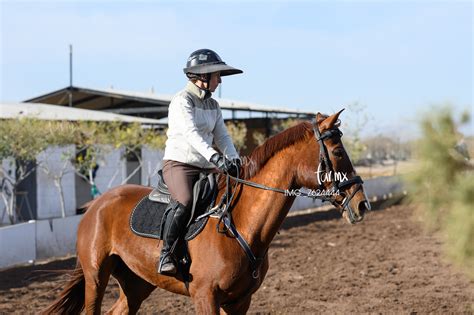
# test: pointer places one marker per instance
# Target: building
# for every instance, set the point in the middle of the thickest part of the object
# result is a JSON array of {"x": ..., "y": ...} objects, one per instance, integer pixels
[{"x": 258, "y": 118}]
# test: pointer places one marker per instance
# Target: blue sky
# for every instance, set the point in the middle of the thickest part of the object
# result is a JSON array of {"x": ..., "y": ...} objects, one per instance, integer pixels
[{"x": 396, "y": 58}]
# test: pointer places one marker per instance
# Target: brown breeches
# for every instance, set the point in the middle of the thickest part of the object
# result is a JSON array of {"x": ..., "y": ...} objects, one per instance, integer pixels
[{"x": 180, "y": 178}]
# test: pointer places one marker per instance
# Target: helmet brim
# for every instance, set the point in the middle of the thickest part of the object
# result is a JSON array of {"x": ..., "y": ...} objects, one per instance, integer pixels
[{"x": 211, "y": 68}]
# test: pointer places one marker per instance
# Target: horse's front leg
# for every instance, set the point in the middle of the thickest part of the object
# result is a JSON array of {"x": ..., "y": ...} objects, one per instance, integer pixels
[{"x": 205, "y": 301}]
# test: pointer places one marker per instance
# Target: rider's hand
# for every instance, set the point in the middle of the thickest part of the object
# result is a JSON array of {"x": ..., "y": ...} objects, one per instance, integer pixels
[
  {"x": 237, "y": 165},
  {"x": 225, "y": 165},
  {"x": 238, "y": 162}
]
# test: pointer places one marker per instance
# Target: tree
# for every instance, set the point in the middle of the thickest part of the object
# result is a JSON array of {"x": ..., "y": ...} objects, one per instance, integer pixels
[
  {"x": 283, "y": 125},
  {"x": 238, "y": 133},
  {"x": 442, "y": 185},
  {"x": 21, "y": 140},
  {"x": 95, "y": 139},
  {"x": 354, "y": 125},
  {"x": 91, "y": 139},
  {"x": 259, "y": 137},
  {"x": 132, "y": 137},
  {"x": 61, "y": 136}
]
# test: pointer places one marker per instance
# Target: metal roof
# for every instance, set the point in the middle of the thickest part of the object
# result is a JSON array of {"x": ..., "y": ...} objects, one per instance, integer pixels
[
  {"x": 141, "y": 104},
  {"x": 53, "y": 112}
]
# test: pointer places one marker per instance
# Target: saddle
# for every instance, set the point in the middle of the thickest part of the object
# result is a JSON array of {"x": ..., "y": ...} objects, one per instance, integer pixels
[{"x": 148, "y": 216}]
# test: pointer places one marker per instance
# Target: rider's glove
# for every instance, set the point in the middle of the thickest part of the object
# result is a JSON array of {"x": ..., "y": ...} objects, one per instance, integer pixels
[
  {"x": 225, "y": 165},
  {"x": 237, "y": 163}
]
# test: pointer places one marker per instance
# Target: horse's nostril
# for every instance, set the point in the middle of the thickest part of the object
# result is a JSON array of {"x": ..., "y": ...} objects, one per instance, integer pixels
[{"x": 363, "y": 206}]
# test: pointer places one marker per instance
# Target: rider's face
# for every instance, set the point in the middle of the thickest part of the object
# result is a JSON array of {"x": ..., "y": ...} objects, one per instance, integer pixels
[{"x": 215, "y": 81}]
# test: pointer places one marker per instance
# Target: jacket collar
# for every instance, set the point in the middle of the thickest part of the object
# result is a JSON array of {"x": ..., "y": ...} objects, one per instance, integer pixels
[{"x": 196, "y": 90}]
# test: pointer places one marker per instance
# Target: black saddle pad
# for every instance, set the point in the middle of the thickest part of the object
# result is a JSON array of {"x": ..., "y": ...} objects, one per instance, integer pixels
[{"x": 147, "y": 215}]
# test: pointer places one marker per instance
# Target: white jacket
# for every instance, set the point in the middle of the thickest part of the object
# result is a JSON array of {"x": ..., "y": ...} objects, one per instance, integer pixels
[{"x": 194, "y": 121}]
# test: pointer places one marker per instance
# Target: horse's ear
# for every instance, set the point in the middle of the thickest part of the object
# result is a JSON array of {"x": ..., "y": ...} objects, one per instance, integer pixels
[
  {"x": 330, "y": 121},
  {"x": 320, "y": 117}
]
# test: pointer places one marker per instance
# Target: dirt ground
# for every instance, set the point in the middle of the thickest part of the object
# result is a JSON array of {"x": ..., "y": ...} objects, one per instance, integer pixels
[{"x": 386, "y": 264}]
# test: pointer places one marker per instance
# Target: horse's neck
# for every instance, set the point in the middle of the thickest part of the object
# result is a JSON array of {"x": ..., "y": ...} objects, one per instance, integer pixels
[{"x": 259, "y": 213}]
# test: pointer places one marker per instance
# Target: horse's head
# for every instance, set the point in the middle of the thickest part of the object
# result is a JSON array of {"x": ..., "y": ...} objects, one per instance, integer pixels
[{"x": 332, "y": 173}]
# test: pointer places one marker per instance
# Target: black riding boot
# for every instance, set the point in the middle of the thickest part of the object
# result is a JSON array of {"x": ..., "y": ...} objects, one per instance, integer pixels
[{"x": 174, "y": 225}]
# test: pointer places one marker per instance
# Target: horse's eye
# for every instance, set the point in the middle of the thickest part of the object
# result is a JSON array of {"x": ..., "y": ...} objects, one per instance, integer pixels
[{"x": 338, "y": 152}]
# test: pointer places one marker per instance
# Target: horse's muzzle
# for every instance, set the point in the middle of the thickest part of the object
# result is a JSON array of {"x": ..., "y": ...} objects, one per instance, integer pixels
[{"x": 354, "y": 215}]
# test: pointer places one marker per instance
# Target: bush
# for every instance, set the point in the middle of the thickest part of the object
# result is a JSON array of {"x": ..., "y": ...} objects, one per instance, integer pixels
[{"x": 442, "y": 186}]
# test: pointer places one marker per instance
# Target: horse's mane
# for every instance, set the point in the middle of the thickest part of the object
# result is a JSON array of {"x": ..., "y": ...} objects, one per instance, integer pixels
[{"x": 257, "y": 159}]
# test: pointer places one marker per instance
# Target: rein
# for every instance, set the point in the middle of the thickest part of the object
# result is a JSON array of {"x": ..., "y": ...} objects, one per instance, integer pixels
[
  {"x": 277, "y": 190},
  {"x": 223, "y": 209}
]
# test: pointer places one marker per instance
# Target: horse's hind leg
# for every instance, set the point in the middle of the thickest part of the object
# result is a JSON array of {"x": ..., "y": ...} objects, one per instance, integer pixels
[
  {"x": 133, "y": 290},
  {"x": 96, "y": 277}
]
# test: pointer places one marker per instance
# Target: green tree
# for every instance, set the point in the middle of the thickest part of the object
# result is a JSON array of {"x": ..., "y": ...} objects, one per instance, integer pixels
[
  {"x": 354, "y": 124},
  {"x": 238, "y": 133},
  {"x": 259, "y": 137},
  {"x": 443, "y": 185},
  {"x": 284, "y": 124},
  {"x": 61, "y": 135},
  {"x": 132, "y": 137},
  {"x": 96, "y": 139},
  {"x": 21, "y": 140}
]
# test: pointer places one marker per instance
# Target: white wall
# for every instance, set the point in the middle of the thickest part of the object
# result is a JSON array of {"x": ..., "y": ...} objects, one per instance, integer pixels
[
  {"x": 302, "y": 203},
  {"x": 56, "y": 237},
  {"x": 112, "y": 170},
  {"x": 152, "y": 162},
  {"x": 17, "y": 244},
  {"x": 25, "y": 242},
  {"x": 48, "y": 197},
  {"x": 380, "y": 188}
]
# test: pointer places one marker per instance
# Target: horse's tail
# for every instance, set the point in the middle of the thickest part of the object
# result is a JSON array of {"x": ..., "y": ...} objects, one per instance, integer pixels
[
  {"x": 71, "y": 299},
  {"x": 83, "y": 208}
]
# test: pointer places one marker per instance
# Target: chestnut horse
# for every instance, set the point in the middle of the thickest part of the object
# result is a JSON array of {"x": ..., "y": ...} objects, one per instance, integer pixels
[{"x": 221, "y": 276}]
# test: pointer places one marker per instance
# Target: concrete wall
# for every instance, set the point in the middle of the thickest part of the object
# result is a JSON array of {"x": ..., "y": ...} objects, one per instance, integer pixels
[
  {"x": 152, "y": 162},
  {"x": 17, "y": 244},
  {"x": 112, "y": 170},
  {"x": 26, "y": 242},
  {"x": 56, "y": 237},
  {"x": 375, "y": 188},
  {"x": 384, "y": 187},
  {"x": 52, "y": 162},
  {"x": 302, "y": 203}
]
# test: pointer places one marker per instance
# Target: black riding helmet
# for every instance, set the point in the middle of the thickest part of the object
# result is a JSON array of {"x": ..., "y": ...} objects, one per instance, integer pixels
[{"x": 206, "y": 61}]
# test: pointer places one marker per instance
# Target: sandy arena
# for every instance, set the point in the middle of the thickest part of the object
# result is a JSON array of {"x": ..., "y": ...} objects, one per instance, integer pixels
[{"x": 386, "y": 264}]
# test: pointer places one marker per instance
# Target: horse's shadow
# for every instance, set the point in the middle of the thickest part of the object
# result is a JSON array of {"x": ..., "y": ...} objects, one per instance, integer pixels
[{"x": 18, "y": 277}]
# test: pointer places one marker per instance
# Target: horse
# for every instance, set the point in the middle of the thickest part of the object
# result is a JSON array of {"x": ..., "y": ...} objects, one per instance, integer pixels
[{"x": 222, "y": 280}]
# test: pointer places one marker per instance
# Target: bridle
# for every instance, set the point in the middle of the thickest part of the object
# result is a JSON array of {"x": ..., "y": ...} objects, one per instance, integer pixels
[
  {"x": 223, "y": 209},
  {"x": 337, "y": 185}
]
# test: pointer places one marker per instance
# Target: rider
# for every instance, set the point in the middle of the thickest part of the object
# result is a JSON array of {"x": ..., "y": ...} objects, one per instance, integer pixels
[{"x": 194, "y": 121}]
